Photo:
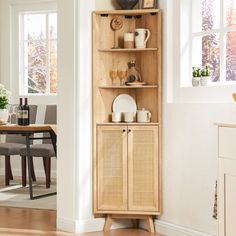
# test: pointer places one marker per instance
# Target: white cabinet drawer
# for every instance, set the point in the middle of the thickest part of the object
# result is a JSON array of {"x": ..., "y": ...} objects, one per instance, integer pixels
[{"x": 227, "y": 142}]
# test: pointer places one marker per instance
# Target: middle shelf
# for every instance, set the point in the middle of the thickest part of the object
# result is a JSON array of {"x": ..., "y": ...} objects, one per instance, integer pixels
[
  {"x": 128, "y": 87},
  {"x": 128, "y": 49}
]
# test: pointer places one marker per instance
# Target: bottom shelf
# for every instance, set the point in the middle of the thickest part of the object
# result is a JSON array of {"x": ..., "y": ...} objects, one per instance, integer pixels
[{"x": 128, "y": 123}]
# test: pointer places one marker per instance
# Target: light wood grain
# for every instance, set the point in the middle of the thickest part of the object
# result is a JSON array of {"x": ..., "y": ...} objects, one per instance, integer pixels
[
  {"x": 149, "y": 64},
  {"x": 122, "y": 232},
  {"x": 128, "y": 12},
  {"x": 22, "y": 221},
  {"x": 143, "y": 174},
  {"x": 112, "y": 217},
  {"x": 128, "y": 87},
  {"x": 128, "y": 50},
  {"x": 129, "y": 124},
  {"x": 112, "y": 168},
  {"x": 33, "y": 127},
  {"x": 226, "y": 124}
]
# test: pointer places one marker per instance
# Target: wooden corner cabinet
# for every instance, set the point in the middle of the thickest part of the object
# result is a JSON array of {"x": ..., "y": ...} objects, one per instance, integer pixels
[{"x": 127, "y": 156}]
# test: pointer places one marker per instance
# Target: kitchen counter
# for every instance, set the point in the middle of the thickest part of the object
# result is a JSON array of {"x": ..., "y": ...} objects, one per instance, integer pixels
[{"x": 226, "y": 124}]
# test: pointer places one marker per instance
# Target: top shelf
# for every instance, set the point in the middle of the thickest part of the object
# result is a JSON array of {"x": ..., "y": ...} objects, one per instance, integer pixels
[
  {"x": 128, "y": 50},
  {"x": 128, "y": 12}
]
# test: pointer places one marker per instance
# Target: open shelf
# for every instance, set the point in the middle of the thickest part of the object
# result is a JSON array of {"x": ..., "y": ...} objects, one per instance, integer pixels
[
  {"x": 129, "y": 87},
  {"x": 135, "y": 12},
  {"x": 128, "y": 50}
]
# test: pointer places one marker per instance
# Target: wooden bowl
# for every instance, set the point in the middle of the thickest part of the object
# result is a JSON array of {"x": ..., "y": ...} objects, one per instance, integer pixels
[{"x": 234, "y": 96}]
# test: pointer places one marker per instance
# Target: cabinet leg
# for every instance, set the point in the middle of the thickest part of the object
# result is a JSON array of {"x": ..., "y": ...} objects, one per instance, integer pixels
[
  {"x": 108, "y": 223},
  {"x": 150, "y": 224}
]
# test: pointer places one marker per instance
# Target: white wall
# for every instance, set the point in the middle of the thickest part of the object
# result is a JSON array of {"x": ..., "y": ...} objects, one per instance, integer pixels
[
  {"x": 106, "y": 5},
  {"x": 190, "y": 143}
]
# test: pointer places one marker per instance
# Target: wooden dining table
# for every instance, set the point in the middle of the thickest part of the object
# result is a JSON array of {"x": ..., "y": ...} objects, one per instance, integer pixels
[{"x": 28, "y": 132}]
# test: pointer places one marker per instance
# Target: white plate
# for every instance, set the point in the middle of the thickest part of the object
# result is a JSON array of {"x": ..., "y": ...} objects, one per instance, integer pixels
[{"x": 124, "y": 103}]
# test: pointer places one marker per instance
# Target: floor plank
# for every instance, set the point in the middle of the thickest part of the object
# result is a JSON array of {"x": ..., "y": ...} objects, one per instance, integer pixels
[
  {"x": 31, "y": 222},
  {"x": 122, "y": 232}
]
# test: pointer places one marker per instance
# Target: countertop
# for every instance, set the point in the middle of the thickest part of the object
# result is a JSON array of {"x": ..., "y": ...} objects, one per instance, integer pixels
[{"x": 226, "y": 124}]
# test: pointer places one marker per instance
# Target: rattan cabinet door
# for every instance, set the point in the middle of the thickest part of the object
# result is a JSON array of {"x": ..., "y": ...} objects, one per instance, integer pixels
[
  {"x": 112, "y": 168},
  {"x": 143, "y": 168}
]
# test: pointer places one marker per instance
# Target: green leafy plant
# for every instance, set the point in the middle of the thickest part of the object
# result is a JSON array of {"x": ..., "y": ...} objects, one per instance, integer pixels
[
  {"x": 196, "y": 72},
  {"x": 206, "y": 71},
  {"x": 4, "y": 97}
]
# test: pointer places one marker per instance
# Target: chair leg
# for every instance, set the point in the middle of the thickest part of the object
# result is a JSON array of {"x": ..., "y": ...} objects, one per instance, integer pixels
[
  {"x": 11, "y": 175},
  {"x": 23, "y": 170},
  {"x": 47, "y": 168},
  {"x": 8, "y": 172},
  {"x": 32, "y": 169}
]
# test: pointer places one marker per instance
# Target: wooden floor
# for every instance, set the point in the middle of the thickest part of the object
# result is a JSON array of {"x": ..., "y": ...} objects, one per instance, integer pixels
[{"x": 31, "y": 222}]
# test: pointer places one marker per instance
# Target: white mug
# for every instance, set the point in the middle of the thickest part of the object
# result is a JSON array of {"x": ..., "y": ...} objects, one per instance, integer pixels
[
  {"x": 143, "y": 116},
  {"x": 116, "y": 117},
  {"x": 129, "y": 116},
  {"x": 129, "y": 40},
  {"x": 141, "y": 37}
]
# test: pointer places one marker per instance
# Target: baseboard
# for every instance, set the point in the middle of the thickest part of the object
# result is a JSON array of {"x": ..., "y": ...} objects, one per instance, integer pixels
[
  {"x": 38, "y": 173},
  {"x": 169, "y": 229},
  {"x": 93, "y": 225},
  {"x": 65, "y": 225}
]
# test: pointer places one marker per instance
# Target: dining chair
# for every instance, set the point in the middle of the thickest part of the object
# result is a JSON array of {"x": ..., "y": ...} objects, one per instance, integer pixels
[
  {"x": 44, "y": 150},
  {"x": 12, "y": 146}
]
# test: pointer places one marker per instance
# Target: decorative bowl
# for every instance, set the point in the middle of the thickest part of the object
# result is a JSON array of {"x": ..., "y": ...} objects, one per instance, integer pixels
[{"x": 127, "y": 4}]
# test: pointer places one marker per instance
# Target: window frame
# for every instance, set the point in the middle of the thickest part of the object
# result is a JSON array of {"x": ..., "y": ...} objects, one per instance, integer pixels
[
  {"x": 16, "y": 8},
  {"x": 222, "y": 30},
  {"x": 23, "y": 79},
  {"x": 177, "y": 67}
]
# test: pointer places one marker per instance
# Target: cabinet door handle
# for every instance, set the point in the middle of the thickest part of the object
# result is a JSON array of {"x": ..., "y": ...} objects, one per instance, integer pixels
[
  {"x": 129, "y": 130},
  {"x": 124, "y": 130}
]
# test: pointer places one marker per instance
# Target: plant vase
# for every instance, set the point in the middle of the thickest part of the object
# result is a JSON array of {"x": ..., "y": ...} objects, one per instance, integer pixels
[
  {"x": 204, "y": 80},
  {"x": 4, "y": 114},
  {"x": 195, "y": 81}
]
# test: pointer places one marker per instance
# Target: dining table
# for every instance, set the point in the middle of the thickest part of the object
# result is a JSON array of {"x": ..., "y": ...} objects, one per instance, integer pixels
[{"x": 29, "y": 131}]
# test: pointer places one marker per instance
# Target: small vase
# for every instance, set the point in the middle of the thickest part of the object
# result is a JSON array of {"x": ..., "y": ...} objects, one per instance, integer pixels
[
  {"x": 195, "y": 81},
  {"x": 204, "y": 80},
  {"x": 4, "y": 114},
  {"x": 127, "y": 4}
]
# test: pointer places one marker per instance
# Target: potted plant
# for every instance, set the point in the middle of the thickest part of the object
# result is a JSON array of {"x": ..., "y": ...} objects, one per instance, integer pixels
[
  {"x": 205, "y": 75},
  {"x": 196, "y": 76},
  {"x": 4, "y": 100}
]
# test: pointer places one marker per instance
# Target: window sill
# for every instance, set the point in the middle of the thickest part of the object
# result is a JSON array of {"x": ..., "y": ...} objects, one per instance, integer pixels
[{"x": 205, "y": 94}]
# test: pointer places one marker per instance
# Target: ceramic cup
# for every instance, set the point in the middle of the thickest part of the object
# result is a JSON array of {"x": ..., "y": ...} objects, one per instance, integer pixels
[
  {"x": 116, "y": 117},
  {"x": 129, "y": 116},
  {"x": 143, "y": 116},
  {"x": 129, "y": 40},
  {"x": 141, "y": 37}
]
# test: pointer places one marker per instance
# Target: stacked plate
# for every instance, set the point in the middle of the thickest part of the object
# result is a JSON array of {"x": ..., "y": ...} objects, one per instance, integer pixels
[
  {"x": 124, "y": 108},
  {"x": 124, "y": 103}
]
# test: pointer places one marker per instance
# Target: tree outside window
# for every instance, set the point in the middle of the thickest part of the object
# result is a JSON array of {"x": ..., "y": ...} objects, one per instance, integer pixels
[
  {"x": 38, "y": 53},
  {"x": 215, "y": 37}
]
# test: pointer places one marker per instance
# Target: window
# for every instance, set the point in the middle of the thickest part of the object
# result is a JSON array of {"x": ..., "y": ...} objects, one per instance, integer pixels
[
  {"x": 213, "y": 38},
  {"x": 38, "y": 53}
]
